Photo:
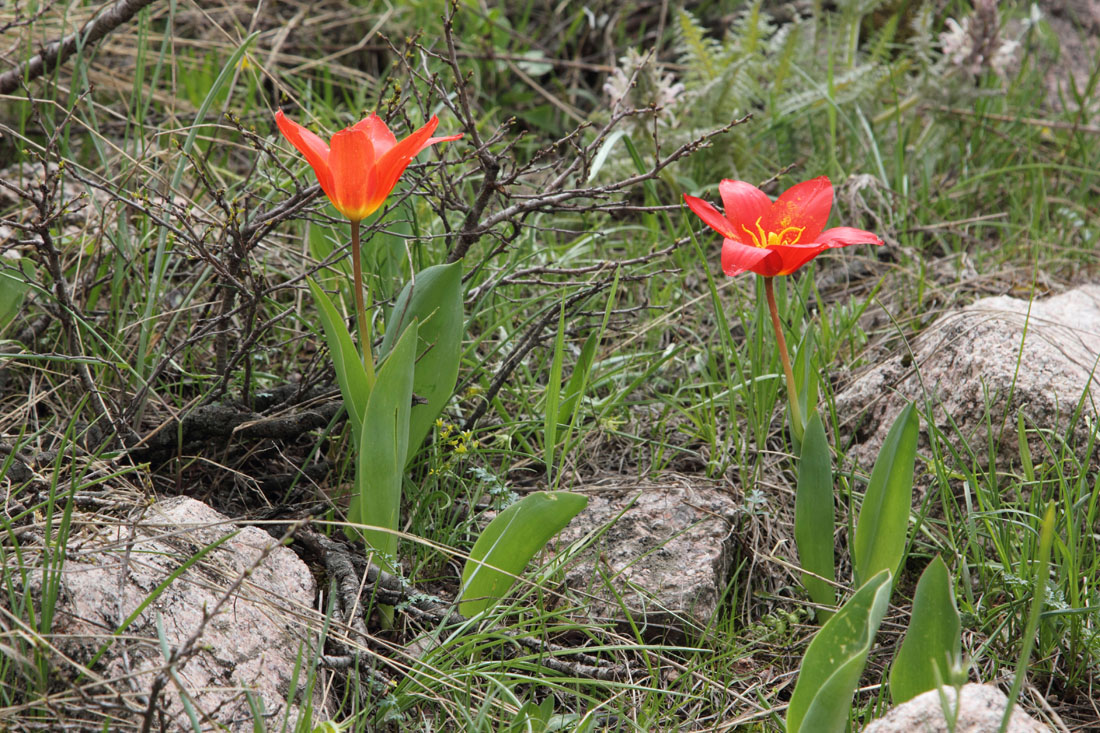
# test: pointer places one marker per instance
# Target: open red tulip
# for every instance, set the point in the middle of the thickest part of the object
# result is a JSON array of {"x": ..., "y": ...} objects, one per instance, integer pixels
[
  {"x": 364, "y": 163},
  {"x": 775, "y": 238}
]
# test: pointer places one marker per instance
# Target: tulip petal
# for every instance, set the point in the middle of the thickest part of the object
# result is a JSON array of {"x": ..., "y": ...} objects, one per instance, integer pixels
[
  {"x": 711, "y": 217},
  {"x": 793, "y": 256},
  {"x": 378, "y": 132},
  {"x": 433, "y": 140},
  {"x": 844, "y": 236},
  {"x": 353, "y": 173},
  {"x": 312, "y": 147},
  {"x": 804, "y": 206},
  {"x": 396, "y": 160},
  {"x": 738, "y": 258},
  {"x": 746, "y": 206}
]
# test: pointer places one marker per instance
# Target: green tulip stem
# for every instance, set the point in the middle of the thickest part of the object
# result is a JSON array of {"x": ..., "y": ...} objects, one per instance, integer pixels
[
  {"x": 362, "y": 321},
  {"x": 781, "y": 342}
]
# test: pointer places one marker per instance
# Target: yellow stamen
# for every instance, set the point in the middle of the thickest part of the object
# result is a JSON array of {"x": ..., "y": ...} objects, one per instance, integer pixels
[
  {"x": 781, "y": 238},
  {"x": 760, "y": 238}
]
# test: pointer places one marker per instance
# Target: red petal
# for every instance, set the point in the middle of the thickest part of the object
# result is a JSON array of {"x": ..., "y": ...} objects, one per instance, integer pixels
[
  {"x": 445, "y": 139},
  {"x": 793, "y": 256},
  {"x": 380, "y": 136},
  {"x": 746, "y": 208},
  {"x": 311, "y": 146},
  {"x": 352, "y": 162},
  {"x": 711, "y": 217},
  {"x": 844, "y": 236},
  {"x": 805, "y": 205},
  {"x": 738, "y": 258},
  {"x": 396, "y": 160}
]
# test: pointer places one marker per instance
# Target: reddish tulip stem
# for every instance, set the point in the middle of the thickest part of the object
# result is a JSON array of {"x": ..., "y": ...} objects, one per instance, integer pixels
[
  {"x": 360, "y": 307},
  {"x": 781, "y": 342}
]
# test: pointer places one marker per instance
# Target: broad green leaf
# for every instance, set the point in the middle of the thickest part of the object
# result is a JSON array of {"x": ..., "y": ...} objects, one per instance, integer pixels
[
  {"x": 383, "y": 447},
  {"x": 532, "y": 717},
  {"x": 834, "y": 661},
  {"x": 884, "y": 517},
  {"x": 806, "y": 383},
  {"x": 814, "y": 514},
  {"x": 350, "y": 373},
  {"x": 434, "y": 298},
  {"x": 13, "y": 288},
  {"x": 509, "y": 542},
  {"x": 933, "y": 640}
]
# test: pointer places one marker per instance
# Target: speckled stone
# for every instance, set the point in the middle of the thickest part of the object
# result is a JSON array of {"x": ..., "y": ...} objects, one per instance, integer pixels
[
  {"x": 661, "y": 553},
  {"x": 971, "y": 358},
  {"x": 250, "y": 645},
  {"x": 980, "y": 711}
]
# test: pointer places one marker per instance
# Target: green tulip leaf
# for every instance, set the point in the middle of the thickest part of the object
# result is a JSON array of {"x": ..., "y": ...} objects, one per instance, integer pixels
[
  {"x": 508, "y": 544},
  {"x": 884, "y": 517},
  {"x": 13, "y": 289},
  {"x": 806, "y": 384},
  {"x": 933, "y": 641},
  {"x": 434, "y": 298},
  {"x": 830, "y": 670},
  {"x": 350, "y": 372},
  {"x": 383, "y": 447},
  {"x": 814, "y": 515}
]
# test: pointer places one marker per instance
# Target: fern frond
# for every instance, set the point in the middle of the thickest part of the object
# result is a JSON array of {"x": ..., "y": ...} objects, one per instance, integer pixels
[{"x": 697, "y": 52}]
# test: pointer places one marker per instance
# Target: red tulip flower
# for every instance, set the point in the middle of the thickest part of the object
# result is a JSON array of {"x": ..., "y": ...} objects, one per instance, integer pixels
[
  {"x": 365, "y": 161},
  {"x": 357, "y": 174},
  {"x": 775, "y": 238}
]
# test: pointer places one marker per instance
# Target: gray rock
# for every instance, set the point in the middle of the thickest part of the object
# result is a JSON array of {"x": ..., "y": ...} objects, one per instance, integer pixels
[
  {"x": 972, "y": 357},
  {"x": 661, "y": 555},
  {"x": 251, "y": 645},
  {"x": 980, "y": 711}
]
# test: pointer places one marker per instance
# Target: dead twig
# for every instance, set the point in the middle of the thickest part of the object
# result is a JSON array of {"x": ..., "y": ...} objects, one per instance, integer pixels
[
  {"x": 57, "y": 52},
  {"x": 391, "y": 590}
]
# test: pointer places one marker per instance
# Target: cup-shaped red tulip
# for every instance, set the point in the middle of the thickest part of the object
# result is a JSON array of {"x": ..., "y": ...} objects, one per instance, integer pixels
[
  {"x": 364, "y": 163},
  {"x": 775, "y": 237}
]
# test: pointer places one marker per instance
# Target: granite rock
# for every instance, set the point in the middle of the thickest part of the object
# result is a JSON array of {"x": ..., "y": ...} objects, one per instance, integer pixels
[
  {"x": 661, "y": 553},
  {"x": 250, "y": 645},
  {"x": 980, "y": 711},
  {"x": 1038, "y": 359}
]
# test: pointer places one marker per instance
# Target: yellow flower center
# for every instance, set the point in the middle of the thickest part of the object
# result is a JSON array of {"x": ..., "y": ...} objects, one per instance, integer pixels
[{"x": 760, "y": 238}]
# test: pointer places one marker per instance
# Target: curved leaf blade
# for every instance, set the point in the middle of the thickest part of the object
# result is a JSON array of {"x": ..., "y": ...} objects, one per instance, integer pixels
[
  {"x": 933, "y": 641},
  {"x": 884, "y": 517},
  {"x": 434, "y": 298},
  {"x": 830, "y": 671},
  {"x": 383, "y": 447},
  {"x": 509, "y": 542},
  {"x": 814, "y": 515},
  {"x": 350, "y": 372}
]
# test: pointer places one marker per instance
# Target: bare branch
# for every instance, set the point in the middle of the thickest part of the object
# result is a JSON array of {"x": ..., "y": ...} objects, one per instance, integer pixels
[{"x": 57, "y": 52}]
